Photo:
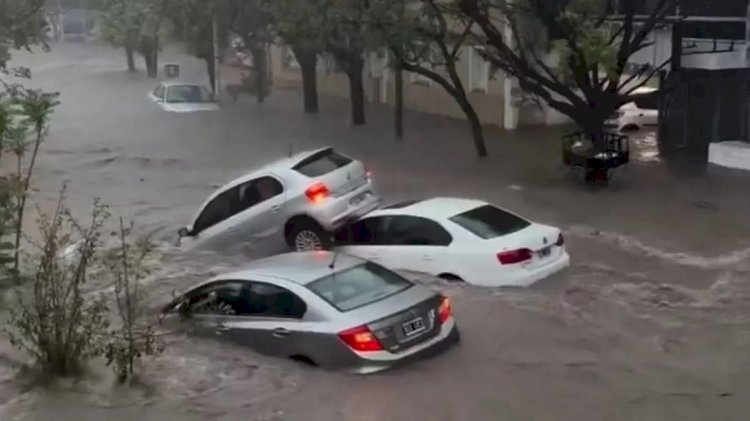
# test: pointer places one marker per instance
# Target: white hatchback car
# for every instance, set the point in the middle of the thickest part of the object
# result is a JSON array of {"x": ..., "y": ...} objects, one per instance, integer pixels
[
  {"x": 181, "y": 97},
  {"x": 462, "y": 239},
  {"x": 295, "y": 202},
  {"x": 637, "y": 114}
]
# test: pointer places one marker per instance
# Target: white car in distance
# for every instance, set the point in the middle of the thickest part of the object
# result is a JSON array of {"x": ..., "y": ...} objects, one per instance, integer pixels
[
  {"x": 452, "y": 238},
  {"x": 181, "y": 97},
  {"x": 635, "y": 115},
  {"x": 295, "y": 202}
]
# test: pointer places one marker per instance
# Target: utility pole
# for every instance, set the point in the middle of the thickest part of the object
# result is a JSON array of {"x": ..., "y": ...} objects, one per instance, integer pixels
[{"x": 217, "y": 58}]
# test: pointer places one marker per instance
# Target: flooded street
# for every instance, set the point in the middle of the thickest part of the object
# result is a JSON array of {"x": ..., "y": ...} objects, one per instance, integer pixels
[{"x": 651, "y": 322}]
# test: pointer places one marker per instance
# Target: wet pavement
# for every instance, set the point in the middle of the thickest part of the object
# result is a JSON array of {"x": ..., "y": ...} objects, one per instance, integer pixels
[{"x": 649, "y": 323}]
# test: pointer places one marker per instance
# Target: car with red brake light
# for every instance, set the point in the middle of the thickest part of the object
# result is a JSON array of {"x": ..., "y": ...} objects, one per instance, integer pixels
[
  {"x": 457, "y": 239},
  {"x": 325, "y": 308},
  {"x": 295, "y": 202}
]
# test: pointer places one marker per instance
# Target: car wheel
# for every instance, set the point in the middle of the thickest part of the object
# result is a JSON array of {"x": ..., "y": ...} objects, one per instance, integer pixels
[
  {"x": 629, "y": 128},
  {"x": 309, "y": 237}
]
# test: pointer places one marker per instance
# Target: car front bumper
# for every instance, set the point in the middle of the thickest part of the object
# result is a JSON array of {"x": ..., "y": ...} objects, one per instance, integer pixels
[{"x": 373, "y": 362}]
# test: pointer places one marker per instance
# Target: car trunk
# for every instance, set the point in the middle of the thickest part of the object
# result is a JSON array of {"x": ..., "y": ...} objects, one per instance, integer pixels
[
  {"x": 540, "y": 239},
  {"x": 339, "y": 173},
  {"x": 412, "y": 318},
  {"x": 345, "y": 179}
]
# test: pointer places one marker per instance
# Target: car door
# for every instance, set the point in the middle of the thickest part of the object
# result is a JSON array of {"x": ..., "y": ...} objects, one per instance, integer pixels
[
  {"x": 260, "y": 221},
  {"x": 270, "y": 321},
  {"x": 215, "y": 226},
  {"x": 417, "y": 244},
  {"x": 157, "y": 95},
  {"x": 364, "y": 238},
  {"x": 209, "y": 307}
]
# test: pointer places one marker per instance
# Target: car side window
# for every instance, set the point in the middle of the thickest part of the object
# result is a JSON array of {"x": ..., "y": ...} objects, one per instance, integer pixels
[
  {"x": 268, "y": 300},
  {"x": 368, "y": 231},
  {"x": 258, "y": 191},
  {"x": 415, "y": 231},
  {"x": 220, "y": 208},
  {"x": 219, "y": 298},
  {"x": 159, "y": 92}
]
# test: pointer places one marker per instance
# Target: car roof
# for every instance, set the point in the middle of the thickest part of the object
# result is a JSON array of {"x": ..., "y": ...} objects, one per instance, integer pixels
[
  {"x": 434, "y": 208},
  {"x": 276, "y": 167},
  {"x": 181, "y": 83},
  {"x": 300, "y": 268}
]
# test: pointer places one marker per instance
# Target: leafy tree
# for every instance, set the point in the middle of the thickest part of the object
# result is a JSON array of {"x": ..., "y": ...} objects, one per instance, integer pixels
[
  {"x": 193, "y": 22},
  {"x": 301, "y": 24},
  {"x": 426, "y": 38},
  {"x": 252, "y": 21},
  {"x": 20, "y": 26},
  {"x": 588, "y": 82},
  {"x": 134, "y": 25}
]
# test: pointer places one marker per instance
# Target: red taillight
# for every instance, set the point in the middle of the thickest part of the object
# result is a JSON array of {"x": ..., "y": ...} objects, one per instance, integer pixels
[
  {"x": 317, "y": 193},
  {"x": 514, "y": 256},
  {"x": 368, "y": 174},
  {"x": 560, "y": 240},
  {"x": 361, "y": 339},
  {"x": 445, "y": 311}
]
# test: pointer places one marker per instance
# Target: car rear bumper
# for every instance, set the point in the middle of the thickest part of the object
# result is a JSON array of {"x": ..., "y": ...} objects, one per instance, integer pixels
[
  {"x": 342, "y": 210},
  {"x": 373, "y": 362},
  {"x": 528, "y": 277}
]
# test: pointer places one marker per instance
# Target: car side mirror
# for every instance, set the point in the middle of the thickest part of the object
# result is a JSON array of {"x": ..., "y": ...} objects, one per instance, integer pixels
[{"x": 183, "y": 232}]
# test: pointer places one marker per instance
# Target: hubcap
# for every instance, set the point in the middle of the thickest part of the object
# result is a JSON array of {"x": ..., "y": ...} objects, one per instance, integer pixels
[{"x": 307, "y": 241}]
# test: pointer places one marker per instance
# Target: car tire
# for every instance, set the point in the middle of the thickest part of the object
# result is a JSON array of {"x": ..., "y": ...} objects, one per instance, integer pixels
[
  {"x": 308, "y": 236},
  {"x": 629, "y": 128}
]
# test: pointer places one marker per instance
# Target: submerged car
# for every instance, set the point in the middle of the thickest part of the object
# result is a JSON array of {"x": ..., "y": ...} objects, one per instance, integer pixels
[
  {"x": 181, "y": 97},
  {"x": 457, "y": 239},
  {"x": 640, "y": 113},
  {"x": 295, "y": 203},
  {"x": 329, "y": 309}
]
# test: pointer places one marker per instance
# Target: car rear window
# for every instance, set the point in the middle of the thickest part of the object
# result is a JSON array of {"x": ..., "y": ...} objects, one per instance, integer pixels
[
  {"x": 490, "y": 222},
  {"x": 322, "y": 163},
  {"x": 359, "y": 286}
]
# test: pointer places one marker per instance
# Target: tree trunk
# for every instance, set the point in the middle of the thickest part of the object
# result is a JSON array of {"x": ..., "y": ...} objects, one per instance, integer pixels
[
  {"x": 150, "y": 51},
  {"x": 477, "y": 133},
  {"x": 308, "y": 61},
  {"x": 130, "y": 56},
  {"x": 155, "y": 58},
  {"x": 261, "y": 70},
  {"x": 459, "y": 93},
  {"x": 211, "y": 70},
  {"x": 399, "y": 106},
  {"x": 356, "y": 88}
]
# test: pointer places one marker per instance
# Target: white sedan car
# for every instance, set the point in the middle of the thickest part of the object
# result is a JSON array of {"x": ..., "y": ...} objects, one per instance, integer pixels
[
  {"x": 295, "y": 202},
  {"x": 181, "y": 97},
  {"x": 462, "y": 239}
]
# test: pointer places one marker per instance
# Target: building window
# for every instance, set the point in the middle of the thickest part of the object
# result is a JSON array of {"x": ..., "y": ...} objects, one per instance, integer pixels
[{"x": 479, "y": 71}]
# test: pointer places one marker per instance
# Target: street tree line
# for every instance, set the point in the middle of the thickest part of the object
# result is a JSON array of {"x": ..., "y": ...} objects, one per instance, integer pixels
[{"x": 570, "y": 55}]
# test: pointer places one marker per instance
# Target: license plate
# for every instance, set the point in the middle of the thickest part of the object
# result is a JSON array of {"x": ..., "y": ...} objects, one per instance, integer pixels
[
  {"x": 412, "y": 327},
  {"x": 359, "y": 198},
  {"x": 545, "y": 252}
]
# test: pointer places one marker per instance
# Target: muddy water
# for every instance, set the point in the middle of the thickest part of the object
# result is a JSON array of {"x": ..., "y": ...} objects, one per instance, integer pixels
[{"x": 650, "y": 322}]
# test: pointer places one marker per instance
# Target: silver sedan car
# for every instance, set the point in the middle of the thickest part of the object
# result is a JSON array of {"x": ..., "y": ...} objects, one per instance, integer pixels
[
  {"x": 329, "y": 309},
  {"x": 295, "y": 203}
]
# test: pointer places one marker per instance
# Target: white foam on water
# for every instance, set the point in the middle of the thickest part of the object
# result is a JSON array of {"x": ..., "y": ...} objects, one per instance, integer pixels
[{"x": 738, "y": 259}]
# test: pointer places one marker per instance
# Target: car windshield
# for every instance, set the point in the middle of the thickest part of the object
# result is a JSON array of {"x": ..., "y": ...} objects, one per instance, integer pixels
[
  {"x": 490, "y": 222},
  {"x": 322, "y": 163},
  {"x": 359, "y": 286},
  {"x": 188, "y": 93}
]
